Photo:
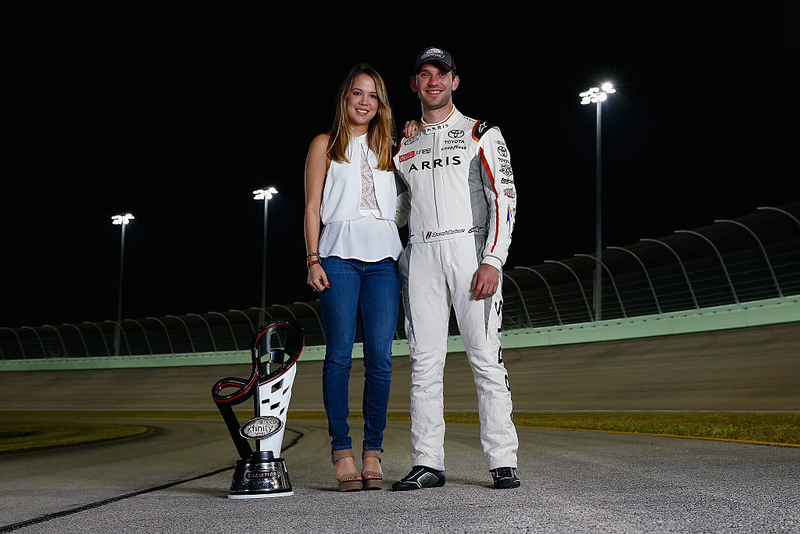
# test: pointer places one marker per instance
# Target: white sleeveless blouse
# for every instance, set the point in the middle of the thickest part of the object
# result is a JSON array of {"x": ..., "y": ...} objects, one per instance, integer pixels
[{"x": 358, "y": 207}]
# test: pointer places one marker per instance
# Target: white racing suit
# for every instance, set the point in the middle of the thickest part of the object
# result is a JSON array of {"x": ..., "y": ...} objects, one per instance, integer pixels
[{"x": 459, "y": 203}]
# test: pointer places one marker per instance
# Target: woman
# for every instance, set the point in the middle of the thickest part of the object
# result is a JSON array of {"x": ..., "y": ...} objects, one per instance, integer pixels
[{"x": 352, "y": 246}]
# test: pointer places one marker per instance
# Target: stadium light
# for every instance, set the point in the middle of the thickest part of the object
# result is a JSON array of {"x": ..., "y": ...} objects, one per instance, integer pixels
[
  {"x": 266, "y": 196},
  {"x": 598, "y": 95},
  {"x": 122, "y": 221}
]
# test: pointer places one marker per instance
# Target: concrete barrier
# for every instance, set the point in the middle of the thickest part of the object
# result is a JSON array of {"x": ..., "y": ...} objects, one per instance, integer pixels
[{"x": 743, "y": 315}]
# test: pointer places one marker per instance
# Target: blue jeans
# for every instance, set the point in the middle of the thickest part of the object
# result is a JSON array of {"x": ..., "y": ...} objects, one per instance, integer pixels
[{"x": 371, "y": 291}]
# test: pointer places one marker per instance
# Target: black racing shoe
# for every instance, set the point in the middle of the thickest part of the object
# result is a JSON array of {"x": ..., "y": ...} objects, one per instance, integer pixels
[
  {"x": 505, "y": 477},
  {"x": 420, "y": 477}
]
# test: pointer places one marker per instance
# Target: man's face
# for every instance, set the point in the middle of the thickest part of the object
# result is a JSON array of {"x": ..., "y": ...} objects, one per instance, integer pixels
[{"x": 434, "y": 86}]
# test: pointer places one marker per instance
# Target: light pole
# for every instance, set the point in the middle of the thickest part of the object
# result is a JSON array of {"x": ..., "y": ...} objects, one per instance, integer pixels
[
  {"x": 598, "y": 95},
  {"x": 121, "y": 220},
  {"x": 265, "y": 195}
]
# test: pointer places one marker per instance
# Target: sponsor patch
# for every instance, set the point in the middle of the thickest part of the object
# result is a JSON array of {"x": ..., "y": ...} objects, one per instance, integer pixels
[
  {"x": 443, "y": 234},
  {"x": 481, "y": 128},
  {"x": 411, "y": 140}
]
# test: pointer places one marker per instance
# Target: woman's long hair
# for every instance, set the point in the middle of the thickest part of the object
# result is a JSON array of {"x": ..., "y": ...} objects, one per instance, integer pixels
[{"x": 380, "y": 133}]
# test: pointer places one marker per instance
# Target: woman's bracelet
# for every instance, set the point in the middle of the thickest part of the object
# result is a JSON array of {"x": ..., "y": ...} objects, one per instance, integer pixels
[{"x": 312, "y": 262}]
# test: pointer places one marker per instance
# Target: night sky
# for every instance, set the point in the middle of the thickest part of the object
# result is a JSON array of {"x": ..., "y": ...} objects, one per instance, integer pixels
[{"x": 178, "y": 121}]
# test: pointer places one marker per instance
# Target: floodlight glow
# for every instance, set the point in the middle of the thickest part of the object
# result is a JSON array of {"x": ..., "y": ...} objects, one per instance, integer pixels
[
  {"x": 261, "y": 194},
  {"x": 122, "y": 219},
  {"x": 595, "y": 94}
]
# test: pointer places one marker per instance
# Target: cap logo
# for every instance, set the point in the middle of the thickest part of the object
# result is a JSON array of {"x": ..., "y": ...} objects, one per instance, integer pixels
[{"x": 433, "y": 52}]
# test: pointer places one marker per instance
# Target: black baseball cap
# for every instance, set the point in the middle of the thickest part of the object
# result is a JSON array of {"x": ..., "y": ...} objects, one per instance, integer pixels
[{"x": 435, "y": 55}]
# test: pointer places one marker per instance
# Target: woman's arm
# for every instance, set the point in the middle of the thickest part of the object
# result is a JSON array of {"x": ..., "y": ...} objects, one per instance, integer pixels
[{"x": 317, "y": 163}]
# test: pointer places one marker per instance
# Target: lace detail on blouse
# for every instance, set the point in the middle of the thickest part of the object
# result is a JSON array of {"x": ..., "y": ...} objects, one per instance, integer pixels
[{"x": 368, "y": 199}]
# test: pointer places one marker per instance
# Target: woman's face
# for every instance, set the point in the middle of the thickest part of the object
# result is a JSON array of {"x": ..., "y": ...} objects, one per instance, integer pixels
[{"x": 362, "y": 103}]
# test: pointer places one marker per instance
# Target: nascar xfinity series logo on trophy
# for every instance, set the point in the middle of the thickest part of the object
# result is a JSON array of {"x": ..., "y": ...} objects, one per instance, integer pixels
[{"x": 260, "y": 427}]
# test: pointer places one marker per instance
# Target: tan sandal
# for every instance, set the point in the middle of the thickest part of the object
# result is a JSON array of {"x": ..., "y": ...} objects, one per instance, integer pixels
[
  {"x": 372, "y": 479},
  {"x": 347, "y": 481}
]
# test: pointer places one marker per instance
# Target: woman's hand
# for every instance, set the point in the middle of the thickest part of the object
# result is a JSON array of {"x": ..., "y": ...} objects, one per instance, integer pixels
[
  {"x": 317, "y": 278},
  {"x": 410, "y": 128}
]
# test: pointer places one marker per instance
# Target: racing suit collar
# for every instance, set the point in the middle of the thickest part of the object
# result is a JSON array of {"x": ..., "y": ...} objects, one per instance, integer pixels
[{"x": 441, "y": 125}]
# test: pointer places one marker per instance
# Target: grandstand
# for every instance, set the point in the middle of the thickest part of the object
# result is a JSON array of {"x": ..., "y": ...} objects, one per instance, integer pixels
[{"x": 730, "y": 262}]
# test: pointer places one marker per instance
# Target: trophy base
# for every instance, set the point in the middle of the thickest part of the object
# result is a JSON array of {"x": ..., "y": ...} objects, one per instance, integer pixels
[{"x": 260, "y": 476}]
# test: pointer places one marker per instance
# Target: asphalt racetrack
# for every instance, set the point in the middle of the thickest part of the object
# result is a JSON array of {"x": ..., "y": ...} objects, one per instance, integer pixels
[{"x": 176, "y": 479}]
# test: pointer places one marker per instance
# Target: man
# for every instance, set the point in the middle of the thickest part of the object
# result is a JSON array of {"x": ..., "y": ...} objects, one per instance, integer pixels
[{"x": 460, "y": 203}]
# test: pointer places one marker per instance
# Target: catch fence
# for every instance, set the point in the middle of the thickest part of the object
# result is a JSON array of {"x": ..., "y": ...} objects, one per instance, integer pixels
[{"x": 751, "y": 258}]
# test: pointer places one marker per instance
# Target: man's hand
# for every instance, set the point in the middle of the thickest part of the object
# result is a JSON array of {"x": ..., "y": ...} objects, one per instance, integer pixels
[{"x": 485, "y": 282}]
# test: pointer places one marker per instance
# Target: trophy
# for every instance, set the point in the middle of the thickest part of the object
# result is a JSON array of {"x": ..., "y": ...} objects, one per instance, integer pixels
[{"x": 262, "y": 472}]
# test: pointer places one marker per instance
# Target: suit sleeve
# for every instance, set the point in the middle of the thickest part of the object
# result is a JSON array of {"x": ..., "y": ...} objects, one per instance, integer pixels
[
  {"x": 501, "y": 196},
  {"x": 403, "y": 200}
]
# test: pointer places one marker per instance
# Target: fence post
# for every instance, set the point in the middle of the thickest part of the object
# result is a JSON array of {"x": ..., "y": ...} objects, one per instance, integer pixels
[
  {"x": 188, "y": 333},
  {"x": 646, "y": 275},
  {"x": 166, "y": 330},
  {"x": 685, "y": 274},
  {"x": 102, "y": 336},
  {"x": 521, "y": 299},
  {"x": 124, "y": 334},
  {"x": 230, "y": 327},
  {"x": 208, "y": 327},
  {"x": 61, "y": 339},
  {"x": 613, "y": 283},
  {"x": 724, "y": 268},
  {"x": 144, "y": 331},
  {"x": 585, "y": 300},
  {"x": 80, "y": 334},
  {"x": 41, "y": 344},
  {"x": 21, "y": 348},
  {"x": 782, "y": 211},
  {"x": 763, "y": 251},
  {"x": 552, "y": 299},
  {"x": 252, "y": 328}
]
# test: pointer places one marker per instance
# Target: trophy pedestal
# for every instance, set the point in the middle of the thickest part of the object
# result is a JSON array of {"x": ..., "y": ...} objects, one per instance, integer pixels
[{"x": 262, "y": 475}]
